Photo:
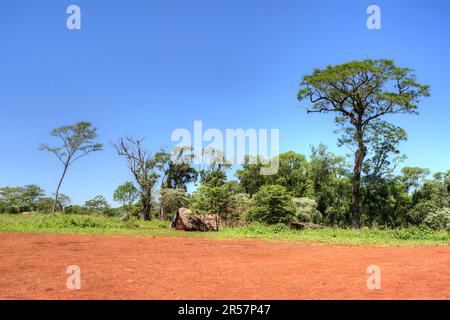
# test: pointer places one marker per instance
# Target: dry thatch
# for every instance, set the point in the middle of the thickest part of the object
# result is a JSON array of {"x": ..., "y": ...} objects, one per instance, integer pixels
[{"x": 188, "y": 221}]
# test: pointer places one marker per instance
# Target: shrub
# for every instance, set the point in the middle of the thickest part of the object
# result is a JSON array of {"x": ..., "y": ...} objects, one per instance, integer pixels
[
  {"x": 241, "y": 203},
  {"x": 438, "y": 220},
  {"x": 271, "y": 204},
  {"x": 255, "y": 228},
  {"x": 45, "y": 204},
  {"x": 279, "y": 228},
  {"x": 75, "y": 209},
  {"x": 418, "y": 213},
  {"x": 172, "y": 199},
  {"x": 306, "y": 210}
]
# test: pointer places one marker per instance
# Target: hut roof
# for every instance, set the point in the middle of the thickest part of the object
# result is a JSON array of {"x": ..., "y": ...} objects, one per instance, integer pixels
[{"x": 197, "y": 222}]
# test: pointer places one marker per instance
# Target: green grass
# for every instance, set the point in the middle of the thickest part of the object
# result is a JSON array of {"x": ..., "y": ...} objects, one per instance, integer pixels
[{"x": 61, "y": 223}]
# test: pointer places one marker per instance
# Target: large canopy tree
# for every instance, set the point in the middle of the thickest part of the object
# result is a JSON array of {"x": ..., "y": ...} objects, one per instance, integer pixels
[
  {"x": 77, "y": 141},
  {"x": 361, "y": 93},
  {"x": 178, "y": 171}
]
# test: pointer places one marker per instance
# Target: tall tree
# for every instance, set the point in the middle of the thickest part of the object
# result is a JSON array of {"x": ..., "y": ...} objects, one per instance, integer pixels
[
  {"x": 414, "y": 177},
  {"x": 292, "y": 173},
  {"x": 145, "y": 168},
  {"x": 250, "y": 177},
  {"x": 329, "y": 184},
  {"x": 78, "y": 140},
  {"x": 179, "y": 171},
  {"x": 360, "y": 93},
  {"x": 214, "y": 168}
]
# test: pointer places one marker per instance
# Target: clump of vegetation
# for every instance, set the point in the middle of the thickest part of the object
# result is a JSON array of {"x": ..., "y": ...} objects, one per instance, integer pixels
[
  {"x": 438, "y": 219},
  {"x": 366, "y": 192},
  {"x": 271, "y": 204},
  {"x": 306, "y": 210}
]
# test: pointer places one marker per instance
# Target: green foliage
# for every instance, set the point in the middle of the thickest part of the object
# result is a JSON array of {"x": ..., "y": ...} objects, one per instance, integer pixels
[
  {"x": 394, "y": 89},
  {"x": 271, "y": 204},
  {"x": 75, "y": 209},
  {"x": 329, "y": 184},
  {"x": 420, "y": 211},
  {"x": 292, "y": 173},
  {"x": 382, "y": 153},
  {"x": 361, "y": 94},
  {"x": 212, "y": 200},
  {"x": 241, "y": 203},
  {"x": 280, "y": 228},
  {"x": 413, "y": 177},
  {"x": 45, "y": 204},
  {"x": 126, "y": 194},
  {"x": 98, "y": 205},
  {"x": 145, "y": 167},
  {"x": 99, "y": 224},
  {"x": 250, "y": 177},
  {"x": 76, "y": 141},
  {"x": 439, "y": 219},
  {"x": 178, "y": 172},
  {"x": 20, "y": 199},
  {"x": 213, "y": 174},
  {"x": 172, "y": 199},
  {"x": 434, "y": 191},
  {"x": 306, "y": 210}
]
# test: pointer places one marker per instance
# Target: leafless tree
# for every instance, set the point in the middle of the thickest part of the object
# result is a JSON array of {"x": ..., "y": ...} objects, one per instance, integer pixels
[{"x": 145, "y": 168}]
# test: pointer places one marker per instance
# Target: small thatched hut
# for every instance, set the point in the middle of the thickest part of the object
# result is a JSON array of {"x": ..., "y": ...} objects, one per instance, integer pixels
[{"x": 187, "y": 221}]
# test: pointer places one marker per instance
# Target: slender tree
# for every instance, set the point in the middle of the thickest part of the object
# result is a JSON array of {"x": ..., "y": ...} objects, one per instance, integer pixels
[
  {"x": 360, "y": 93},
  {"x": 78, "y": 140}
]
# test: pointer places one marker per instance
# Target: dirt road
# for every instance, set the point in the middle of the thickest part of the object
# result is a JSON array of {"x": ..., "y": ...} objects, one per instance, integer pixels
[{"x": 33, "y": 266}]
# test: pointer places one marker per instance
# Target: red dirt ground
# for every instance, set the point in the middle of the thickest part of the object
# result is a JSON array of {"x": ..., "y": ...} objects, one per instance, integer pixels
[{"x": 33, "y": 266}]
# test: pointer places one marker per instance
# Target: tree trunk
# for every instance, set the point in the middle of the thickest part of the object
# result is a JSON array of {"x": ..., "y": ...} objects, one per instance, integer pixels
[
  {"x": 57, "y": 188},
  {"x": 162, "y": 214},
  {"x": 146, "y": 208},
  {"x": 356, "y": 180}
]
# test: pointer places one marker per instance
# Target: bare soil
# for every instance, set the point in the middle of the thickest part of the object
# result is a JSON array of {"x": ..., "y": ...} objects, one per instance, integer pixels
[{"x": 33, "y": 266}]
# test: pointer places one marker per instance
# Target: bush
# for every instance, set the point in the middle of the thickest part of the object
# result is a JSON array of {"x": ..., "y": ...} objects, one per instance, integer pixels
[
  {"x": 420, "y": 211},
  {"x": 256, "y": 228},
  {"x": 241, "y": 203},
  {"x": 271, "y": 204},
  {"x": 306, "y": 210},
  {"x": 438, "y": 220},
  {"x": 413, "y": 233},
  {"x": 279, "y": 228},
  {"x": 75, "y": 209}
]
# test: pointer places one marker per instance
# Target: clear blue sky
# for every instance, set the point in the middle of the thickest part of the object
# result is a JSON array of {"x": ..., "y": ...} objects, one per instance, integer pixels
[{"x": 148, "y": 67}]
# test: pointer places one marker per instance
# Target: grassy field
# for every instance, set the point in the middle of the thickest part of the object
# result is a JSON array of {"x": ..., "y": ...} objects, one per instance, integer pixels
[{"x": 61, "y": 223}]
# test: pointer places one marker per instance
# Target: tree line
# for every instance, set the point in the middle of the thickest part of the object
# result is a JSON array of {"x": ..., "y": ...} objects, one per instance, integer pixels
[{"x": 325, "y": 189}]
